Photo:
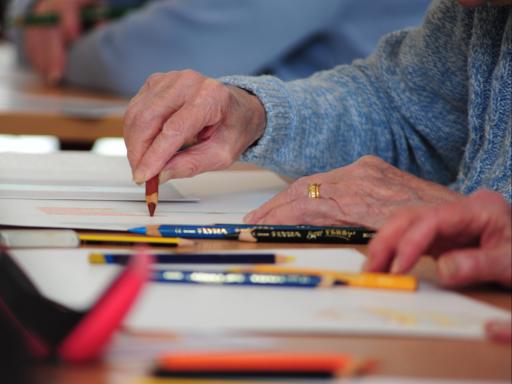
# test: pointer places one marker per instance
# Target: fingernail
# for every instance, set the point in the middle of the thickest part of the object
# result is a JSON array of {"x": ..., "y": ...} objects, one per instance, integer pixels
[
  {"x": 164, "y": 176},
  {"x": 139, "y": 176},
  {"x": 447, "y": 268},
  {"x": 396, "y": 267}
]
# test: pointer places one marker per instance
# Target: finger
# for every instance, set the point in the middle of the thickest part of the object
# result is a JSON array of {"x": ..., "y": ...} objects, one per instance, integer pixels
[
  {"x": 465, "y": 220},
  {"x": 181, "y": 126},
  {"x": 55, "y": 57},
  {"x": 191, "y": 161},
  {"x": 416, "y": 240},
  {"x": 298, "y": 190},
  {"x": 50, "y": 38},
  {"x": 160, "y": 97},
  {"x": 499, "y": 330},
  {"x": 382, "y": 248},
  {"x": 70, "y": 18},
  {"x": 473, "y": 265},
  {"x": 33, "y": 49},
  {"x": 439, "y": 229},
  {"x": 71, "y": 25},
  {"x": 303, "y": 211}
]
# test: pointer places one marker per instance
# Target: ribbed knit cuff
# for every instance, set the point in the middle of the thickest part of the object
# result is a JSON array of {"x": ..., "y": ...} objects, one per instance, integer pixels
[{"x": 279, "y": 113}]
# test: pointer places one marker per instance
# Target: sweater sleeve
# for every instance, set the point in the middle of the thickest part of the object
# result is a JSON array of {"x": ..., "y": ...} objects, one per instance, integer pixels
[
  {"x": 213, "y": 37},
  {"x": 406, "y": 104}
]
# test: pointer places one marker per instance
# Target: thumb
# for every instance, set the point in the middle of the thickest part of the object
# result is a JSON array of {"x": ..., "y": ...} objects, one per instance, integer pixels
[{"x": 468, "y": 266}]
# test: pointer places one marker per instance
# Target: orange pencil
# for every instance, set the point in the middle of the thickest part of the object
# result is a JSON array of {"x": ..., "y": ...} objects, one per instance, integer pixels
[
  {"x": 260, "y": 364},
  {"x": 152, "y": 194}
]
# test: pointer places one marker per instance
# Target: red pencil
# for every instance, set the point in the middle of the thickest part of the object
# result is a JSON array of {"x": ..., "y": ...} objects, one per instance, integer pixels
[
  {"x": 152, "y": 194},
  {"x": 260, "y": 364}
]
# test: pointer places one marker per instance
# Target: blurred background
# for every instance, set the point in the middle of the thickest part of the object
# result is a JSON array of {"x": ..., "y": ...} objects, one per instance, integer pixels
[{"x": 58, "y": 92}]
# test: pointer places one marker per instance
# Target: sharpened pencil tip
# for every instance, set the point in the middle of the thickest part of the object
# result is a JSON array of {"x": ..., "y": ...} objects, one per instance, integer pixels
[
  {"x": 151, "y": 208},
  {"x": 138, "y": 230}
]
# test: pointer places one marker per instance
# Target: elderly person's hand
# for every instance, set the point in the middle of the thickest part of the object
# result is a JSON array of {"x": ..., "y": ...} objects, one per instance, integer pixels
[
  {"x": 364, "y": 193},
  {"x": 471, "y": 238},
  {"x": 46, "y": 46},
  {"x": 179, "y": 108}
]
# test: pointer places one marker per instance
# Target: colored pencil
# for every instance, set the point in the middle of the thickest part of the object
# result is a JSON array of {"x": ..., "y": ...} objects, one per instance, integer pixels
[
  {"x": 152, "y": 194},
  {"x": 234, "y": 278},
  {"x": 301, "y": 235},
  {"x": 363, "y": 280},
  {"x": 195, "y": 258},
  {"x": 222, "y": 231},
  {"x": 113, "y": 239},
  {"x": 255, "y": 364},
  {"x": 88, "y": 15},
  {"x": 188, "y": 231}
]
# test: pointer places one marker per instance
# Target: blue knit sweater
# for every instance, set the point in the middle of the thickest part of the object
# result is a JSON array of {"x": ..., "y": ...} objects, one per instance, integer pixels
[{"x": 434, "y": 101}]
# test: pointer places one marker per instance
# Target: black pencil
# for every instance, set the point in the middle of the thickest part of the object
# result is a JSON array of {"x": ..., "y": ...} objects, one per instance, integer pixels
[
  {"x": 337, "y": 236},
  {"x": 195, "y": 258}
]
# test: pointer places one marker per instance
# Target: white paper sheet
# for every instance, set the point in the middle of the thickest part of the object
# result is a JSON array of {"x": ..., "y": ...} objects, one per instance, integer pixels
[
  {"x": 86, "y": 191},
  {"x": 73, "y": 176},
  {"x": 225, "y": 196},
  {"x": 63, "y": 166},
  {"x": 430, "y": 312}
]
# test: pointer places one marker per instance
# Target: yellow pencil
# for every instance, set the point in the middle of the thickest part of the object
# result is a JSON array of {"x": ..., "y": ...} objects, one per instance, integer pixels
[
  {"x": 364, "y": 280},
  {"x": 101, "y": 238}
]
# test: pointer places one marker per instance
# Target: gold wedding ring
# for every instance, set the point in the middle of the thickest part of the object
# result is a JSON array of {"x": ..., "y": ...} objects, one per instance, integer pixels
[{"x": 314, "y": 191}]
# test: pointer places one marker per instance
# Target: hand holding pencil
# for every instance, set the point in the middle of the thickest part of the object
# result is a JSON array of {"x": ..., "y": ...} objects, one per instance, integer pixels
[{"x": 47, "y": 47}]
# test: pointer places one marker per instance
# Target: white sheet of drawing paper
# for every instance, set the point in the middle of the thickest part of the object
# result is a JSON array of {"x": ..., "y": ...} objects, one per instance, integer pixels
[{"x": 173, "y": 308}]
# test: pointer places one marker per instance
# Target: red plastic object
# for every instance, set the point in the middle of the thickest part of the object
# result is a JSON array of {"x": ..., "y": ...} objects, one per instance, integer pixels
[{"x": 92, "y": 333}]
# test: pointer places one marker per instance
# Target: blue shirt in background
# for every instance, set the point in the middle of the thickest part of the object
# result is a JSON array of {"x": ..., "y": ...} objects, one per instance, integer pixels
[{"x": 287, "y": 38}]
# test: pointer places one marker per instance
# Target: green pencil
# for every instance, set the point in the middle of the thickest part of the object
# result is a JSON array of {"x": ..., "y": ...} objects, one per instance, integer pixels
[{"x": 88, "y": 15}]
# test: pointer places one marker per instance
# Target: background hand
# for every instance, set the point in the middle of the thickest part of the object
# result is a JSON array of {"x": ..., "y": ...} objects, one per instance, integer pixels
[
  {"x": 46, "y": 46},
  {"x": 177, "y": 108},
  {"x": 470, "y": 238},
  {"x": 364, "y": 193}
]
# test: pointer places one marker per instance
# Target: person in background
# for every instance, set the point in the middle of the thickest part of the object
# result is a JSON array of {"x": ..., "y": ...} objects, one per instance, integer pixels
[
  {"x": 426, "y": 119},
  {"x": 286, "y": 38},
  {"x": 471, "y": 239}
]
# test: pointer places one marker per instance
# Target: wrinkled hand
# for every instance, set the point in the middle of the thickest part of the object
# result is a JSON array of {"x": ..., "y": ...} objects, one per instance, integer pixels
[
  {"x": 178, "y": 108},
  {"x": 470, "y": 238},
  {"x": 46, "y": 46},
  {"x": 364, "y": 193}
]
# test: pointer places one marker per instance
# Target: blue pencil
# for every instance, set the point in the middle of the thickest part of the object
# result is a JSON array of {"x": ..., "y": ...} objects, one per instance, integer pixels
[
  {"x": 237, "y": 279},
  {"x": 218, "y": 231},
  {"x": 188, "y": 231}
]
